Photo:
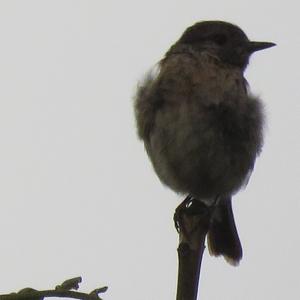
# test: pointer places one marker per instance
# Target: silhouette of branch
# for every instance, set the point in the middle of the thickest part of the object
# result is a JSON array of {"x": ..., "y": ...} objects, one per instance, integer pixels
[
  {"x": 192, "y": 220},
  {"x": 62, "y": 290}
]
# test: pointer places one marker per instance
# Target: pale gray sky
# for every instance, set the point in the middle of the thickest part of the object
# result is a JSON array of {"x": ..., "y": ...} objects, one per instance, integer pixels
[{"x": 78, "y": 194}]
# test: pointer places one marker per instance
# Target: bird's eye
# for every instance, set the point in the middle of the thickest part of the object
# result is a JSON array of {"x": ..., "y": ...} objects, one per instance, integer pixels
[{"x": 220, "y": 39}]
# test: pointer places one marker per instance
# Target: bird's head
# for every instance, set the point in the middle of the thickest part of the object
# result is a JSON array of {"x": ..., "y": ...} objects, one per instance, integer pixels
[{"x": 227, "y": 41}]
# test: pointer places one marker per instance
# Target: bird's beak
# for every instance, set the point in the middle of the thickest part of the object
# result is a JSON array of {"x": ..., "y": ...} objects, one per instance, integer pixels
[{"x": 256, "y": 46}]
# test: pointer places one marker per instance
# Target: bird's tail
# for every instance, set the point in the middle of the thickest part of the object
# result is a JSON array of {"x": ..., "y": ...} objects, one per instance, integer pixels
[{"x": 222, "y": 236}]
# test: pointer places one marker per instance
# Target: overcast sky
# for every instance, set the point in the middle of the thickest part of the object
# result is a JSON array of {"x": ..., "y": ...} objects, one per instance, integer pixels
[{"x": 78, "y": 194}]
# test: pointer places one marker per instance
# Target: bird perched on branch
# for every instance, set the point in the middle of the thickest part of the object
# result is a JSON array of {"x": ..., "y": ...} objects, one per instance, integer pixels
[{"x": 201, "y": 127}]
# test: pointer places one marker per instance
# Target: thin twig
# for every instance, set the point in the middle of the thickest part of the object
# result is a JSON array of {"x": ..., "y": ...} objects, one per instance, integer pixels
[
  {"x": 48, "y": 293},
  {"x": 62, "y": 291}
]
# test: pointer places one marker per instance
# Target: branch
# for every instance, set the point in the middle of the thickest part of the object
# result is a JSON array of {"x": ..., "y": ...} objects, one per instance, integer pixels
[
  {"x": 62, "y": 290},
  {"x": 192, "y": 220}
]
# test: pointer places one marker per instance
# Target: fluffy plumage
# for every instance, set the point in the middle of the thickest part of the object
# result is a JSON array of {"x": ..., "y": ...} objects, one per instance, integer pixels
[{"x": 201, "y": 127}]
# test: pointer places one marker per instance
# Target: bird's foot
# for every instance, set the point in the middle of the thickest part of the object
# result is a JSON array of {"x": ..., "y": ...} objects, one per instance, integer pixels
[{"x": 189, "y": 207}]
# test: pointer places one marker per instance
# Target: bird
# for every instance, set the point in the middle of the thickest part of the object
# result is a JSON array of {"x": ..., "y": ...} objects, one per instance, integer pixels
[{"x": 201, "y": 126}]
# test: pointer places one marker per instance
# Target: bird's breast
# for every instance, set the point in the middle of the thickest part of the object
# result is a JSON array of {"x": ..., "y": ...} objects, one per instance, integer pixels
[{"x": 208, "y": 130}]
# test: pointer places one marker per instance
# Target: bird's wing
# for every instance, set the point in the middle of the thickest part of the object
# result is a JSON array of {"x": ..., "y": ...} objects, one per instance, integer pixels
[
  {"x": 183, "y": 76},
  {"x": 169, "y": 82},
  {"x": 146, "y": 103}
]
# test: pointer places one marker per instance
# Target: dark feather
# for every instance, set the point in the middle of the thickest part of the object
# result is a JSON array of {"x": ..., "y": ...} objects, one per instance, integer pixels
[{"x": 222, "y": 236}]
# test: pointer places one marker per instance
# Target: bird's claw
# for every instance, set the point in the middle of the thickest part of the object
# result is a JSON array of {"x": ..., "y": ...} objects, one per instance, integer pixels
[
  {"x": 190, "y": 207},
  {"x": 182, "y": 208}
]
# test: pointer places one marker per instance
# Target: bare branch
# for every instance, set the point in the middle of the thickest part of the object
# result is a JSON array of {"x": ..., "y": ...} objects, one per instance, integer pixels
[
  {"x": 62, "y": 291},
  {"x": 192, "y": 220}
]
